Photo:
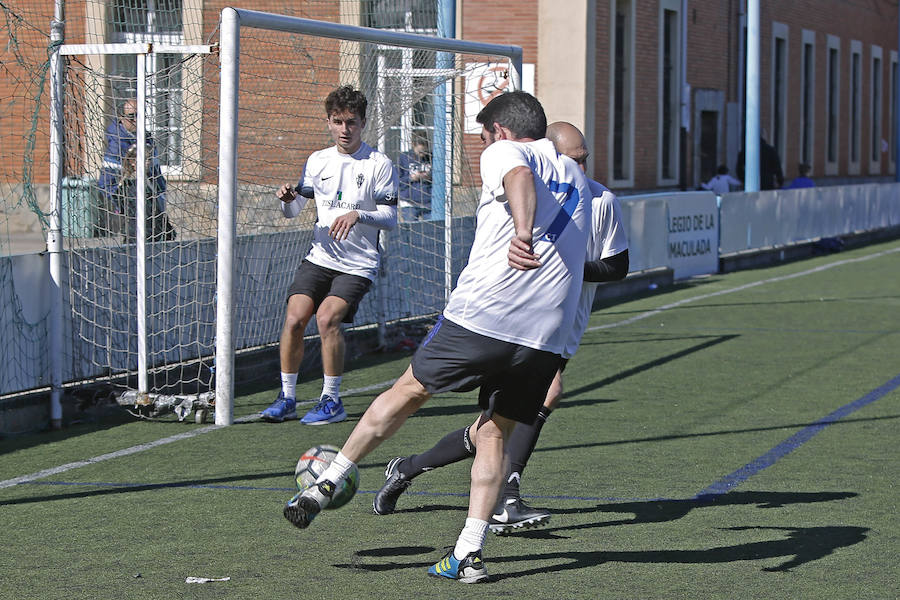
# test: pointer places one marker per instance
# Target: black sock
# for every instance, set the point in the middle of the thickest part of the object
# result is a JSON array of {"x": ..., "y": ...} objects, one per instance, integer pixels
[
  {"x": 519, "y": 448},
  {"x": 452, "y": 448}
]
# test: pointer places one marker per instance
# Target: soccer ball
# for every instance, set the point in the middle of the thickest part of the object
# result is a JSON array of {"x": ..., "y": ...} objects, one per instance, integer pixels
[{"x": 313, "y": 463}]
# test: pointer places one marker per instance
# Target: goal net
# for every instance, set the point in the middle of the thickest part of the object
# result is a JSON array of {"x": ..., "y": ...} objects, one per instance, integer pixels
[{"x": 174, "y": 270}]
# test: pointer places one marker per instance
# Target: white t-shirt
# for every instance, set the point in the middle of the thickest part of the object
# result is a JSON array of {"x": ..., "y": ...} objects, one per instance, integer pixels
[
  {"x": 607, "y": 239},
  {"x": 533, "y": 308},
  {"x": 364, "y": 181}
]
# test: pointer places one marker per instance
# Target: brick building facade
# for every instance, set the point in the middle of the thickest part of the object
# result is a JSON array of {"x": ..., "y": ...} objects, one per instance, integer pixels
[{"x": 828, "y": 72}]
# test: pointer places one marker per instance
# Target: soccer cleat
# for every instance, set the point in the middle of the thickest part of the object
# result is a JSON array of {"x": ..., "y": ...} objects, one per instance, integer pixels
[
  {"x": 328, "y": 410},
  {"x": 304, "y": 506},
  {"x": 281, "y": 410},
  {"x": 396, "y": 483},
  {"x": 515, "y": 514},
  {"x": 471, "y": 569}
]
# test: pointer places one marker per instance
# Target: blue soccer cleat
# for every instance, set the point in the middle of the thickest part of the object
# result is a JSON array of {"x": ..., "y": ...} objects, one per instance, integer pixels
[
  {"x": 282, "y": 409},
  {"x": 328, "y": 410},
  {"x": 470, "y": 569}
]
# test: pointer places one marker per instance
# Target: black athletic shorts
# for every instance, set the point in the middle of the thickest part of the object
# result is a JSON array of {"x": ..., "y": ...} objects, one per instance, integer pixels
[
  {"x": 320, "y": 282},
  {"x": 514, "y": 379}
]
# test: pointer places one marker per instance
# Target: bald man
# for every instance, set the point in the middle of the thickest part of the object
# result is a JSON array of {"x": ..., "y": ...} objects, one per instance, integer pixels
[{"x": 607, "y": 256}]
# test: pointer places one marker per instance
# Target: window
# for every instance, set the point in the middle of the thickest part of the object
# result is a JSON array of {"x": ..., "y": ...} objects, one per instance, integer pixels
[
  {"x": 832, "y": 105},
  {"x": 403, "y": 77},
  {"x": 779, "y": 87},
  {"x": 622, "y": 98},
  {"x": 875, "y": 120},
  {"x": 855, "y": 132},
  {"x": 155, "y": 22},
  {"x": 669, "y": 91},
  {"x": 807, "y": 97},
  {"x": 892, "y": 136}
]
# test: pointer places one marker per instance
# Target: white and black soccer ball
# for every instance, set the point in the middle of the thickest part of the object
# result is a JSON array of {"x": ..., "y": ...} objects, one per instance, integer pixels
[{"x": 314, "y": 462}]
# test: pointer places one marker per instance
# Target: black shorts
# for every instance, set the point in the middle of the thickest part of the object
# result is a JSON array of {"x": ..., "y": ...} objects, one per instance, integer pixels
[
  {"x": 514, "y": 379},
  {"x": 320, "y": 282}
]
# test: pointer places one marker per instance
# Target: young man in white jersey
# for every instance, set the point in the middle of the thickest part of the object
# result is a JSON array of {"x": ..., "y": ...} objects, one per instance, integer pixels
[
  {"x": 607, "y": 260},
  {"x": 354, "y": 188},
  {"x": 505, "y": 325}
]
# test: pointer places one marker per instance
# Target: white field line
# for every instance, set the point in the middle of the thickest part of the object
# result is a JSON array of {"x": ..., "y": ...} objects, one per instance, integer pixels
[
  {"x": 741, "y": 288},
  {"x": 385, "y": 384}
]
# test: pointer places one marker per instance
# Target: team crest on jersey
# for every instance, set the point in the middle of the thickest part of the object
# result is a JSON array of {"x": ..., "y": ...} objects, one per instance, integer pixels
[{"x": 359, "y": 180}]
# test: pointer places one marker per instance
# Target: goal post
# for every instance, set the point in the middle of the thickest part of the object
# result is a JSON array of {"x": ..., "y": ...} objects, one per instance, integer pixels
[{"x": 295, "y": 61}]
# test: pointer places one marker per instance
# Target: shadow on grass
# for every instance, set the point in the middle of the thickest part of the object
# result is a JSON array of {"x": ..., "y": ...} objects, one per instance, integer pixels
[
  {"x": 128, "y": 488},
  {"x": 664, "y": 438},
  {"x": 795, "y": 546}
]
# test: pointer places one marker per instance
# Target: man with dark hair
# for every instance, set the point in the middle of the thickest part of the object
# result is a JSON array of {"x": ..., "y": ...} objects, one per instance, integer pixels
[
  {"x": 355, "y": 191},
  {"x": 607, "y": 261},
  {"x": 505, "y": 324}
]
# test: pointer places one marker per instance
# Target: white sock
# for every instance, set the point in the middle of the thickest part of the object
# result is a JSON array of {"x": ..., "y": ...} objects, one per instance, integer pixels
[
  {"x": 331, "y": 385},
  {"x": 471, "y": 538},
  {"x": 337, "y": 470},
  {"x": 289, "y": 385}
]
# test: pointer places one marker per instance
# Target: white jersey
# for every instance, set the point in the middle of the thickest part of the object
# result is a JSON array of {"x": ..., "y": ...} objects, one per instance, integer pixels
[
  {"x": 364, "y": 181},
  {"x": 607, "y": 239},
  {"x": 534, "y": 308}
]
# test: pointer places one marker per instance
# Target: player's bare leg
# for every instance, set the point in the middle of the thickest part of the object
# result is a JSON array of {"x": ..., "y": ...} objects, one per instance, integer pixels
[
  {"x": 329, "y": 316},
  {"x": 385, "y": 416},
  {"x": 290, "y": 352}
]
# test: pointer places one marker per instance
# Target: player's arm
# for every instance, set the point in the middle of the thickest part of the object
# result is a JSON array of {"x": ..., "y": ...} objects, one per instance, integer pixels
[
  {"x": 521, "y": 196},
  {"x": 288, "y": 194},
  {"x": 611, "y": 268},
  {"x": 385, "y": 214}
]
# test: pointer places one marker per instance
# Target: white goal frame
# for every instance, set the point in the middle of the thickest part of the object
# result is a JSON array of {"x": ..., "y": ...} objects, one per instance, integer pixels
[{"x": 232, "y": 21}]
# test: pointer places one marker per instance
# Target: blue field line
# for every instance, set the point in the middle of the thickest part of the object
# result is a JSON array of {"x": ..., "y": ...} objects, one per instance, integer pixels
[
  {"x": 291, "y": 490},
  {"x": 718, "y": 488},
  {"x": 768, "y": 459}
]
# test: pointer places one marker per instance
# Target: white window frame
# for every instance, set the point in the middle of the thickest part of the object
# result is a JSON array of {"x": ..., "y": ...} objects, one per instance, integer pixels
[
  {"x": 629, "y": 100},
  {"x": 98, "y": 30},
  {"x": 892, "y": 136},
  {"x": 855, "y": 98},
  {"x": 809, "y": 132},
  {"x": 876, "y": 112},
  {"x": 406, "y": 76},
  {"x": 778, "y": 122},
  {"x": 833, "y": 136},
  {"x": 675, "y": 99}
]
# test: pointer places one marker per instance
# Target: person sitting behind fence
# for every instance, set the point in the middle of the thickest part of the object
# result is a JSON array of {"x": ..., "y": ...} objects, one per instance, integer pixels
[
  {"x": 119, "y": 187},
  {"x": 722, "y": 183},
  {"x": 415, "y": 182},
  {"x": 803, "y": 181}
]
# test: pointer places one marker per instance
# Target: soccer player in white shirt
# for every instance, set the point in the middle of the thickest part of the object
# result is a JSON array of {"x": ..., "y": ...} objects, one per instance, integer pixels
[
  {"x": 535, "y": 204},
  {"x": 354, "y": 188},
  {"x": 607, "y": 260}
]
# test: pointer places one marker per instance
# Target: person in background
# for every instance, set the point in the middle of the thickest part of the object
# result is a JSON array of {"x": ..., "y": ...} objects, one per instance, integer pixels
[
  {"x": 415, "y": 182},
  {"x": 722, "y": 183},
  {"x": 803, "y": 181},
  {"x": 118, "y": 179},
  {"x": 771, "y": 177}
]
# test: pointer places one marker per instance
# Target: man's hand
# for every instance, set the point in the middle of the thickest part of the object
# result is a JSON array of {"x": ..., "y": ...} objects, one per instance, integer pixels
[
  {"x": 341, "y": 226},
  {"x": 287, "y": 193},
  {"x": 520, "y": 255}
]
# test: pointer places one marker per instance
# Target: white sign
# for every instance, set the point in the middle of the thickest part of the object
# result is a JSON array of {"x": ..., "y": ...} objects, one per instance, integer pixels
[
  {"x": 692, "y": 222},
  {"x": 486, "y": 80}
]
